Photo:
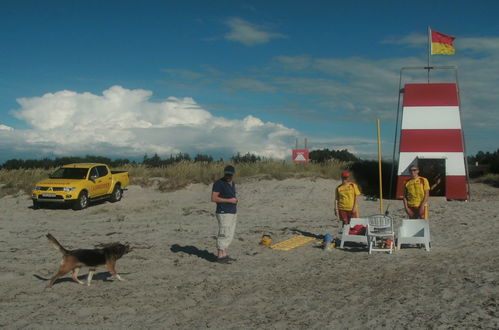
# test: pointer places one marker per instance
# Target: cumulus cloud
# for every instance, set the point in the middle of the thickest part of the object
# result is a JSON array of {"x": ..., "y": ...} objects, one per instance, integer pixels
[
  {"x": 249, "y": 34},
  {"x": 362, "y": 147},
  {"x": 5, "y": 128},
  {"x": 359, "y": 89},
  {"x": 124, "y": 122}
]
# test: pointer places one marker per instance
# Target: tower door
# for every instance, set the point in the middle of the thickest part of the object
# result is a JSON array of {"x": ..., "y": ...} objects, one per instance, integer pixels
[{"x": 434, "y": 171}]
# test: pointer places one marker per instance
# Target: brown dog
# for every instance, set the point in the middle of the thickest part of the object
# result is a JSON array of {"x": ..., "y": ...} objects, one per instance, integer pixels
[{"x": 73, "y": 260}]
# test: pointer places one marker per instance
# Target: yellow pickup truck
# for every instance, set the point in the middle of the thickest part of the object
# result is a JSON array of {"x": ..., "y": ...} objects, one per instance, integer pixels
[{"x": 77, "y": 184}]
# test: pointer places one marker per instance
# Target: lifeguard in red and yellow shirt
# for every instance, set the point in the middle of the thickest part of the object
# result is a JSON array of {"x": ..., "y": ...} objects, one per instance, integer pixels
[
  {"x": 416, "y": 194},
  {"x": 345, "y": 199}
]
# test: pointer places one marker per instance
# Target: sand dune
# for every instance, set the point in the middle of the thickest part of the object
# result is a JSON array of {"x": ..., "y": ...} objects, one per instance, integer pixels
[{"x": 171, "y": 280}]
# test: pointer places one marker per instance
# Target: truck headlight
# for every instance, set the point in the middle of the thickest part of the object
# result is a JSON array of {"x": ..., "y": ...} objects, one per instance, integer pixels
[{"x": 69, "y": 189}]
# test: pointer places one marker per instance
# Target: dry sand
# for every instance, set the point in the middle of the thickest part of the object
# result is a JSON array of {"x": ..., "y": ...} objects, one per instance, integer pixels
[{"x": 172, "y": 282}]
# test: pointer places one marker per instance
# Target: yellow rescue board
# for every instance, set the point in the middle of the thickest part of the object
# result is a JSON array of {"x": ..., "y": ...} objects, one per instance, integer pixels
[{"x": 292, "y": 243}]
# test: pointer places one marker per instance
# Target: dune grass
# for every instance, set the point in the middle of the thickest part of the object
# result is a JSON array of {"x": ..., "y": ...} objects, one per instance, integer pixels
[
  {"x": 490, "y": 179},
  {"x": 181, "y": 174},
  {"x": 20, "y": 181}
]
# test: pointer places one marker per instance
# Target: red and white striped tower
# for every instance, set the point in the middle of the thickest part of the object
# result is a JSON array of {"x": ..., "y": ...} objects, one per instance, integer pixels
[{"x": 431, "y": 129}]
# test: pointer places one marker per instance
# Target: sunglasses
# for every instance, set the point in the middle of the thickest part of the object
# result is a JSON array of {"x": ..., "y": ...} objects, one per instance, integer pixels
[{"x": 414, "y": 170}]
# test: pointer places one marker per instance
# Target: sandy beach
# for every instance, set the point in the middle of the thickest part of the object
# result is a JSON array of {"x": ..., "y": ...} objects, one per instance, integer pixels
[{"x": 172, "y": 281}]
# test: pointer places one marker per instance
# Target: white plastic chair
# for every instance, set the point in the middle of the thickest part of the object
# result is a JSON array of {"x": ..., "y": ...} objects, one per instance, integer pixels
[
  {"x": 346, "y": 237},
  {"x": 414, "y": 232},
  {"x": 380, "y": 227}
]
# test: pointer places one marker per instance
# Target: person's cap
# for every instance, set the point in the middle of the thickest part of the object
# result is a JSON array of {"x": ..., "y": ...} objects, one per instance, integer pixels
[
  {"x": 229, "y": 170},
  {"x": 345, "y": 174}
]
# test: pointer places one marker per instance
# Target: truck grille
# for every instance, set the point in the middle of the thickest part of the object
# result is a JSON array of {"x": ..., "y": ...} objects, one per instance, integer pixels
[{"x": 53, "y": 189}]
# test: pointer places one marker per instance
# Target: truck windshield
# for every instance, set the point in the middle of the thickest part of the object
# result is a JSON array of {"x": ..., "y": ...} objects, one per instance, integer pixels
[{"x": 70, "y": 173}]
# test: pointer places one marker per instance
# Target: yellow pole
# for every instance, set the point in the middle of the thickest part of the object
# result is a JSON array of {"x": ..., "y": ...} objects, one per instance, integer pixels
[{"x": 379, "y": 167}]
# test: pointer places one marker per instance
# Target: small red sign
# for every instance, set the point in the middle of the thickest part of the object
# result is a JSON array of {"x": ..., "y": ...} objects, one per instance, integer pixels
[{"x": 300, "y": 155}]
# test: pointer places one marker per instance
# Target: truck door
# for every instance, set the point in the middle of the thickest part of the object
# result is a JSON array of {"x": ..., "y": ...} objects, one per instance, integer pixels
[
  {"x": 92, "y": 185},
  {"x": 100, "y": 181},
  {"x": 104, "y": 180}
]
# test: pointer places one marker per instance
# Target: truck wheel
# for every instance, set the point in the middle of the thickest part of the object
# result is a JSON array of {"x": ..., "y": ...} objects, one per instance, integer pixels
[
  {"x": 81, "y": 202},
  {"x": 36, "y": 205},
  {"x": 117, "y": 194}
]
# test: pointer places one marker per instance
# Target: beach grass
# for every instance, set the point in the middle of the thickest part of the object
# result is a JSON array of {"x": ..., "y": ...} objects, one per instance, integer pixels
[
  {"x": 21, "y": 180},
  {"x": 181, "y": 174},
  {"x": 490, "y": 179}
]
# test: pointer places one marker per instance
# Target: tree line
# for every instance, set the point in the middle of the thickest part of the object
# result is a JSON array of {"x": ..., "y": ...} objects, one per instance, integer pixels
[
  {"x": 151, "y": 161},
  {"x": 323, "y": 155},
  {"x": 154, "y": 161},
  {"x": 491, "y": 160},
  {"x": 318, "y": 156},
  {"x": 46, "y": 163}
]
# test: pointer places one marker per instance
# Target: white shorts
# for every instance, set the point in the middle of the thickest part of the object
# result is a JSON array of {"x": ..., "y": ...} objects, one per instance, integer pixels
[{"x": 226, "y": 229}]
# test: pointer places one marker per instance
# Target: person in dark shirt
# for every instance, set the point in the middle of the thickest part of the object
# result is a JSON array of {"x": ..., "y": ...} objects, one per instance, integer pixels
[{"x": 224, "y": 194}]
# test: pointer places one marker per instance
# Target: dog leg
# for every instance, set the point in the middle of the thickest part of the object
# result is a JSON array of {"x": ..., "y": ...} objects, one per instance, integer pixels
[
  {"x": 65, "y": 268},
  {"x": 111, "y": 267},
  {"x": 90, "y": 275},
  {"x": 60, "y": 273},
  {"x": 75, "y": 275}
]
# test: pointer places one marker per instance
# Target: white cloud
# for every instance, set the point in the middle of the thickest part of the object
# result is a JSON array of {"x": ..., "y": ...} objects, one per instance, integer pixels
[
  {"x": 5, "y": 128},
  {"x": 359, "y": 89},
  {"x": 123, "y": 122},
  {"x": 478, "y": 45},
  {"x": 414, "y": 40},
  {"x": 472, "y": 44},
  {"x": 363, "y": 89},
  {"x": 249, "y": 34},
  {"x": 248, "y": 84},
  {"x": 294, "y": 62}
]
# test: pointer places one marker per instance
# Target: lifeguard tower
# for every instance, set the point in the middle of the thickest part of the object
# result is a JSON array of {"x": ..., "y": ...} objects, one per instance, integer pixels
[{"x": 431, "y": 137}]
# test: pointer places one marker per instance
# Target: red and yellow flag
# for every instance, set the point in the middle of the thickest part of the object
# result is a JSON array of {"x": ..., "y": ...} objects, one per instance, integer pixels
[{"x": 441, "y": 44}]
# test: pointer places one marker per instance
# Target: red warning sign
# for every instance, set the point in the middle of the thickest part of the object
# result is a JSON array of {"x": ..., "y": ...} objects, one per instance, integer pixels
[{"x": 300, "y": 155}]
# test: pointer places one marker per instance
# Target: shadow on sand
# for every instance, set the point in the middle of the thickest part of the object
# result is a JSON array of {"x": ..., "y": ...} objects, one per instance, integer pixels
[
  {"x": 307, "y": 234},
  {"x": 192, "y": 250},
  {"x": 102, "y": 276},
  {"x": 64, "y": 206},
  {"x": 348, "y": 246}
]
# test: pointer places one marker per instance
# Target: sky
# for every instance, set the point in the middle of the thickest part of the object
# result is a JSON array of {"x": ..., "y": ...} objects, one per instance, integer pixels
[{"x": 123, "y": 79}]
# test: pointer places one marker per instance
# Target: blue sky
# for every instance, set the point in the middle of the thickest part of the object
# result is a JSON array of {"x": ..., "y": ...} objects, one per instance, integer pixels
[{"x": 125, "y": 78}]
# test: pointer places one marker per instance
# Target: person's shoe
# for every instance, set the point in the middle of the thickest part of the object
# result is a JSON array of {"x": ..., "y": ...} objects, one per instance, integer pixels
[
  {"x": 224, "y": 260},
  {"x": 231, "y": 259}
]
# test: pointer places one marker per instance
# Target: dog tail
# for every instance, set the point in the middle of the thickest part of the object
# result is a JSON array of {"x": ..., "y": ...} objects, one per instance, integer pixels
[{"x": 56, "y": 244}]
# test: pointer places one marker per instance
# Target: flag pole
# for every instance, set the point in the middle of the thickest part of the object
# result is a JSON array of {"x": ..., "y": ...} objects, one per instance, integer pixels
[
  {"x": 379, "y": 169},
  {"x": 429, "y": 52}
]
